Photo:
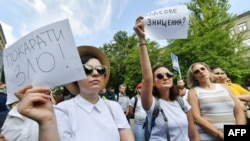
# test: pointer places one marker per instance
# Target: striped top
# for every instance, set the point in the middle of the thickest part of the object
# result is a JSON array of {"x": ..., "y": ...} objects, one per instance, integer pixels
[{"x": 216, "y": 106}]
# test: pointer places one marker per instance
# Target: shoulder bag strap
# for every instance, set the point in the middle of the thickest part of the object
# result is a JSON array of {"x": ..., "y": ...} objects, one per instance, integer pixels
[
  {"x": 110, "y": 110},
  {"x": 136, "y": 99},
  {"x": 166, "y": 124},
  {"x": 181, "y": 103}
]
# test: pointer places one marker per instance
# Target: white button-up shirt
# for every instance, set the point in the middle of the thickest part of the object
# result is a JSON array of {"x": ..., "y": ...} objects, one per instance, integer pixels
[{"x": 78, "y": 119}]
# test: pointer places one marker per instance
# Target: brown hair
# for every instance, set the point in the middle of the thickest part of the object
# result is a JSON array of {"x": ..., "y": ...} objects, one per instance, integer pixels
[{"x": 173, "y": 91}]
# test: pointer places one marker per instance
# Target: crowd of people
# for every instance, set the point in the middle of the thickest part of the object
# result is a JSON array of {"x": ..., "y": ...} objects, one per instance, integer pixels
[{"x": 87, "y": 110}]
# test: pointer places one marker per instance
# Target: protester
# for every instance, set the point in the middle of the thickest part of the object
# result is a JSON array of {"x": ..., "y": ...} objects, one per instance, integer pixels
[
  {"x": 183, "y": 91},
  {"x": 87, "y": 116},
  {"x": 3, "y": 107},
  {"x": 221, "y": 77},
  {"x": 228, "y": 80},
  {"x": 139, "y": 114},
  {"x": 3, "y": 97},
  {"x": 160, "y": 82},
  {"x": 107, "y": 94},
  {"x": 113, "y": 90},
  {"x": 84, "y": 117},
  {"x": 17, "y": 127},
  {"x": 213, "y": 105},
  {"x": 3, "y": 116},
  {"x": 36, "y": 104},
  {"x": 239, "y": 91},
  {"x": 123, "y": 100}
]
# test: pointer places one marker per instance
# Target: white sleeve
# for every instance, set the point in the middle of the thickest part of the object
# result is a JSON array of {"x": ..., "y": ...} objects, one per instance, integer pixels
[
  {"x": 120, "y": 118},
  {"x": 64, "y": 127},
  {"x": 132, "y": 101}
]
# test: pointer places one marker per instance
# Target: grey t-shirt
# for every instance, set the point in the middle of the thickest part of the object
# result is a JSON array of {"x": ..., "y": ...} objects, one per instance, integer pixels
[
  {"x": 140, "y": 114},
  {"x": 124, "y": 102}
]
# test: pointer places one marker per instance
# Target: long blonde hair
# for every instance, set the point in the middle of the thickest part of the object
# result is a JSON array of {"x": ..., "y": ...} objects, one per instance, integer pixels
[{"x": 191, "y": 82}]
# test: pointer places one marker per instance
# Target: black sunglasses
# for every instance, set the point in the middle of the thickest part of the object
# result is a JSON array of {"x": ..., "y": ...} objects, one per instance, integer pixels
[
  {"x": 199, "y": 70},
  {"x": 162, "y": 74},
  {"x": 101, "y": 69}
]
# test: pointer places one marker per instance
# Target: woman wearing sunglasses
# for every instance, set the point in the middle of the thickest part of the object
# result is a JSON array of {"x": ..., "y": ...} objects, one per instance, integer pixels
[
  {"x": 160, "y": 83},
  {"x": 86, "y": 116},
  {"x": 213, "y": 105}
]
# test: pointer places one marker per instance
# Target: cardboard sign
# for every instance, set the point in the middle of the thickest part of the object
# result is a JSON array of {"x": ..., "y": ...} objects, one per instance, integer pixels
[
  {"x": 46, "y": 57},
  {"x": 167, "y": 23}
]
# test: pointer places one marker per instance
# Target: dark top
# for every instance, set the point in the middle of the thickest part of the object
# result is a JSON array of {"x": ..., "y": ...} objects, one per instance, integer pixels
[
  {"x": 3, "y": 99},
  {"x": 108, "y": 95},
  {"x": 3, "y": 116}
]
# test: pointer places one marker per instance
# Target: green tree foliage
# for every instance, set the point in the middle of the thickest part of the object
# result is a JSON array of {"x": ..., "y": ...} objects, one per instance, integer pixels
[
  {"x": 57, "y": 91},
  {"x": 209, "y": 41}
]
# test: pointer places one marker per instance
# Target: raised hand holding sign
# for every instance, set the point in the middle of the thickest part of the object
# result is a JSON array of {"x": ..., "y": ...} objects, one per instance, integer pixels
[
  {"x": 41, "y": 58},
  {"x": 167, "y": 23}
]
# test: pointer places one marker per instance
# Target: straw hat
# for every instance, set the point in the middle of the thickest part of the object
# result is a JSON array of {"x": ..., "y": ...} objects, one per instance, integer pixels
[{"x": 94, "y": 51}]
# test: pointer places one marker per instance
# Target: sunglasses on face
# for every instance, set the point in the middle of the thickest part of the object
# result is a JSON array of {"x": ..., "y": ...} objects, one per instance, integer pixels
[
  {"x": 161, "y": 75},
  {"x": 219, "y": 73},
  {"x": 199, "y": 70},
  {"x": 101, "y": 69}
]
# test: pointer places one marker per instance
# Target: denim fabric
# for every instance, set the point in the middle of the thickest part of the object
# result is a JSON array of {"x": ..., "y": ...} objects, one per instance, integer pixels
[{"x": 139, "y": 132}]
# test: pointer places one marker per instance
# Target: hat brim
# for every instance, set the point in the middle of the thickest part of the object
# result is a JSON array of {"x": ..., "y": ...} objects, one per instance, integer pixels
[{"x": 99, "y": 54}]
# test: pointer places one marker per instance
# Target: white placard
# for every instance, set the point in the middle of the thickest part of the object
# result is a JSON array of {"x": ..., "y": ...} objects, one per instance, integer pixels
[
  {"x": 46, "y": 57},
  {"x": 167, "y": 23}
]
